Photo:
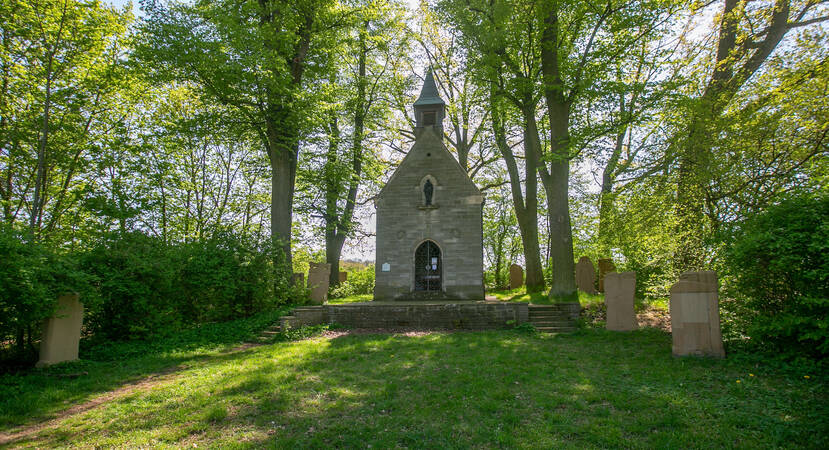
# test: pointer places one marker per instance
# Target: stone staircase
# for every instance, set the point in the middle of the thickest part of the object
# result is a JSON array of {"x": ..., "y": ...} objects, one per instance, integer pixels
[
  {"x": 552, "y": 318},
  {"x": 267, "y": 335}
]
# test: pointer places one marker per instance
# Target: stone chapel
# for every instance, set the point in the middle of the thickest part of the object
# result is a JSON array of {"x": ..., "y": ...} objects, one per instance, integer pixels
[{"x": 429, "y": 218}]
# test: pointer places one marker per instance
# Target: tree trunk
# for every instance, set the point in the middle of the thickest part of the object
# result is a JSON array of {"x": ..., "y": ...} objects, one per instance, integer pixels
[
  {"x": 739, "y": 55},
  {"x": 283, "y": 177},
  {"x": 525, "y": 212},
  {"x": 606, "y": 196},
  {"x": 342, "y": 224},
  {"x": 557, "y": 180}
]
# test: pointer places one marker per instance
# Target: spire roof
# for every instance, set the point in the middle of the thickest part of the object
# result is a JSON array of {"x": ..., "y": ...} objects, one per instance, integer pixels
[{"x": 429, "y": 93}]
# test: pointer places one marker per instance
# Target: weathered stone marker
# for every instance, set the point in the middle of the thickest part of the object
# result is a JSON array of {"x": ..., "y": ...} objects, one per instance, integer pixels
[
  {"x": 516, "y": 276},
  {"x": 620, "y": 289},
  {"x": 586, "y": 275},
  {"x": 62, "y": 332},
  {"x": 606, "y": 266},
  {"x": 318, "y": 274},
  {"x": 343, "y": 277},
  {"x": 695, "y": 315}
]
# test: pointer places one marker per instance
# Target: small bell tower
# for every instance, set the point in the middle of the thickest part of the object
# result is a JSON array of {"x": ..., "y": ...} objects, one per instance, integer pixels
[{"x": 429, "y": 108}]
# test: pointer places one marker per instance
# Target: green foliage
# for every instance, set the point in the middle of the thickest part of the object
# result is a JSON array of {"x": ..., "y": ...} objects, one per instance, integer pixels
[
  {"x": 183, "y": 340},
  {"x": 777, "y": 281},
  {"x": 31, "y": 279},
  {"x": 148, "y": 287},
  {"x": 359, "y": 282}
]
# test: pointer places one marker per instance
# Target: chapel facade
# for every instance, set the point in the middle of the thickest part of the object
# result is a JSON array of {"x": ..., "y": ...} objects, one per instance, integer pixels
[{"x": 429, "y": 218}]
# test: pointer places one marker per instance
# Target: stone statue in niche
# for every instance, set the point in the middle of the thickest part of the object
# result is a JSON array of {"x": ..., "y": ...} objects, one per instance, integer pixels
[{"x": 428, "y": 190}]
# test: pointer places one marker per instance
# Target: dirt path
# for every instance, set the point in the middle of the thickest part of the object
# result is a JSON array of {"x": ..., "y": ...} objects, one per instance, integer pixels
[{"x": 142, "y": 385}]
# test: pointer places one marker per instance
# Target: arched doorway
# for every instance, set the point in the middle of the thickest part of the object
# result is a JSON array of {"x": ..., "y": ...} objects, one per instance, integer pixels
[{"x": 427, "y": 267}]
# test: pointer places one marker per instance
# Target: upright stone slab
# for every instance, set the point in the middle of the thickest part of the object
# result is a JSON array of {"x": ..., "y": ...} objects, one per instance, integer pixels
[
  {"x": 606, "y": 266},
  {"x": 516, "y": 276},
  {"x": 695, "y": 315},
  {"x": 62, "y": 332},
  {"x": 620, "y": 289},
  {"x": 343, "y": 277},
  {"x": 318, "y": 274},
  {"x": 586, "y": 275}
]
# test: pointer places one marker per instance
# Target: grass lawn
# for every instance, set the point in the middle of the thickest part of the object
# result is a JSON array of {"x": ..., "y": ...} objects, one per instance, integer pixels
[
  {"x": 472, "y": 389},
  {"x": 539, "y": 298},
  {"x": 351, "y": 299}
]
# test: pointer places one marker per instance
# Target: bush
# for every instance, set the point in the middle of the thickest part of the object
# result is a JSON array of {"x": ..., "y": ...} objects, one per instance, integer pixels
[
  {"x": 31, "y": 279},
  {"x": 359, "y": 282},
  {"x": 777, "y": 284},
  {"x": 149, "y": 288}
]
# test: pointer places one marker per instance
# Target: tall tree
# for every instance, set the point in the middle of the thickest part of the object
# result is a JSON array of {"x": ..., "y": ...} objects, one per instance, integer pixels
[
  {"x": 747, "y": 35},
  {"x": 563, "y": 50},
  {"x": 259, "y": 58}
]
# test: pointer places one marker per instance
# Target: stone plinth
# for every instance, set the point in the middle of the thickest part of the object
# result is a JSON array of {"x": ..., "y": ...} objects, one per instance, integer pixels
[
  {"x": 619, "y": 292},
  {"x": 318, "y": 274},
  {"x": 586, "y": 275},
  {"x": 606, "y": 266},
  {"x": 516, "y": 276},
  {"x": 62, "y": 332},
  {"x": 343, "y": 277},
  {"x": 695, "y": 315}
]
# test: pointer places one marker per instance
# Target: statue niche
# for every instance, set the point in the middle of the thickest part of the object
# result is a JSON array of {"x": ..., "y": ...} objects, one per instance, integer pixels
[{"x": 428, "y": 192}]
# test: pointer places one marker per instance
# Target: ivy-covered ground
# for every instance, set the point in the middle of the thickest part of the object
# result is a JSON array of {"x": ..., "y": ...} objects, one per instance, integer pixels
[{"x": 466, "y": 389}]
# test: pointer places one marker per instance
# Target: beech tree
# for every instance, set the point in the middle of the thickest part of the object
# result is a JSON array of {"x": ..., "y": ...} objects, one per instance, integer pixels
[
  {"x": 260, "y": 58},
  {"x": 747, "y": 35}
]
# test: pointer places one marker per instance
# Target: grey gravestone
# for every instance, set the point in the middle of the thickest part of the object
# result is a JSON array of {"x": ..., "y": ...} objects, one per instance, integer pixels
[
  {"x": 695, "y": 316},
  {"x": 516, "y": 276},
  {"x": 620, "y": 290},
  {"x": 605, "y": 267},
  {"x": 62, "y": 332},
  {"x": 586, "y": 275},
  {"x": 318, "y": 274}
]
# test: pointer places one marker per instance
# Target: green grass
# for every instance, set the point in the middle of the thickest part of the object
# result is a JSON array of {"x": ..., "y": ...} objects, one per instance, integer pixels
[
  {"x": 105, "y": 366},
  {"x": 488, "y": 389},
  {"x": 539, "y": 298},
  {"x": 351, "y": 299}
]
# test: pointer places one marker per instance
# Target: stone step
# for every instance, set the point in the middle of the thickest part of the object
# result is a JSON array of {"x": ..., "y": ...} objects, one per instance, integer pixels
[
  {"x": 552, "y": 323},
  {"x": 556, "y": 329},
  {"x": 269, "y": 333}
]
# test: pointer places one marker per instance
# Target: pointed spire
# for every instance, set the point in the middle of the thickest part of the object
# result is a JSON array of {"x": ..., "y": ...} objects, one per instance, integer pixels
[{"x": 429, "y": 93}]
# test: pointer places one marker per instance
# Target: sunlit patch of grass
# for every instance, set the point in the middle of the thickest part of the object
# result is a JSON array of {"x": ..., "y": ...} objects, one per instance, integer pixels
[
  {"x": 540, "y": 298},
  {"x": 351, "y": 299},
  {"x": 589, "y": 389}
]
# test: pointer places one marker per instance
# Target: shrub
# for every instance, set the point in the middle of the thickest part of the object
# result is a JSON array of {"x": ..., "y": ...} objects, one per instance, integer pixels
[
  {"x": 359, "y": 282},
  {"x": 150, "y": 288},
  {"x": 31, "y": 279},
  {"x": 777, "y": 267}
]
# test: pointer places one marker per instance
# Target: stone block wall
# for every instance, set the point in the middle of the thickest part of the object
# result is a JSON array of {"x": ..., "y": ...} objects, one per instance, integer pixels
[{"x": 453, "y": 222}]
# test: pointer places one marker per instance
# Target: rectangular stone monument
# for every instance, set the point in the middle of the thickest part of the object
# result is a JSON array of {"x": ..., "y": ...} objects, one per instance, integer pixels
[
  {"x": 695, "y": 315},
  {"x": 343, "y": 277},
  {"x": 586, "y": 275},
  {"x": 318, "y": 279},
  {"x": 516, "y": 276},
  {"x": 620, "y": 289},
  {"x": 606, "y": 266},
  {"x": 62, "y": 332}
]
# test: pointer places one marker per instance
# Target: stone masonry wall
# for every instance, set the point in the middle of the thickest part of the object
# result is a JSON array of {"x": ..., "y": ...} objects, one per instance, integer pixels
[{"x": 454, "y": 223}]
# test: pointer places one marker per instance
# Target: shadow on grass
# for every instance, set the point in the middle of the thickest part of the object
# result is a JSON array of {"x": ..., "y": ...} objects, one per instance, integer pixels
[
  {"x": 39, "y": 394},
  {"x": 591, "y": 388}
]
